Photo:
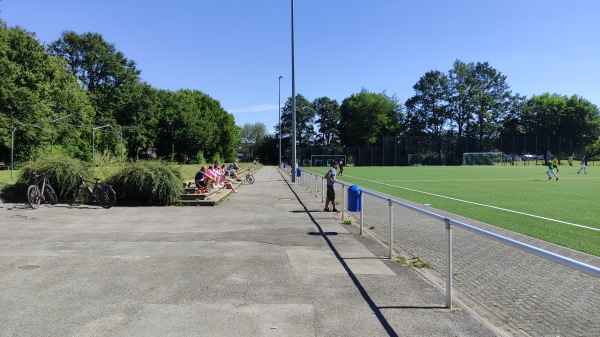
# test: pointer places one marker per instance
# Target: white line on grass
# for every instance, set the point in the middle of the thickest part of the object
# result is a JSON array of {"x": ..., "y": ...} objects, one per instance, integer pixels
[{"x": 479, "y": 204}]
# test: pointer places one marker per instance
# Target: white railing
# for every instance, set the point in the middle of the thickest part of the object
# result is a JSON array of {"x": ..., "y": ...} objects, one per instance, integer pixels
[{"x": 316, "y": 184}]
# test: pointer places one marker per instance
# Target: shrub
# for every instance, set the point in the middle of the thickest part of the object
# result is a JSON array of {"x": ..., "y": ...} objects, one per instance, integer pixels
[
  {"x": 153, "y": 182},
  {"x": 60, "y": 170}
]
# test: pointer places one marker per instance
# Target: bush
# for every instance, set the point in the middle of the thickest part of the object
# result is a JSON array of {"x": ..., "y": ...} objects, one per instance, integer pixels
[
  {"x": 60, "y": 170},
  {"x": 148, "y": 182}
]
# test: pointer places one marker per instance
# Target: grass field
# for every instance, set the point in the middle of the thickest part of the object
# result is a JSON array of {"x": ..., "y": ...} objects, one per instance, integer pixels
[{"x": 517, "y": 198}]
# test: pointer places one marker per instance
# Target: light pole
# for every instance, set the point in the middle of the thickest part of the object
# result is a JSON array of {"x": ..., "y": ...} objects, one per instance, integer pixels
[
  {"x": 293, "y": 104},
  {"x": 279, "y": 110}
]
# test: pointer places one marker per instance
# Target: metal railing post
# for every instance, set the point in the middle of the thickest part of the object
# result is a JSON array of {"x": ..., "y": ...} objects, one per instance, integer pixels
[
  {"x": 322, "y": 189},
  {"x": 343, "y": 200},
  {"x": 316, "y": 184},
  {"x": 362, "y": 209},
  {"x": 391, "y": 241},
  {"x": 448, "y": 263}
]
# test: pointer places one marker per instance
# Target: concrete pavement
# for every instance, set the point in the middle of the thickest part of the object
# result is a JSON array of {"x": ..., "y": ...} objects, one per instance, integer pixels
[{"x": 266, "y": 262}]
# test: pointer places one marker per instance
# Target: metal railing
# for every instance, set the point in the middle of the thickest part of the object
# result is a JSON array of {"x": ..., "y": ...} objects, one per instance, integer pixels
[{"x": 316, "y": 184}]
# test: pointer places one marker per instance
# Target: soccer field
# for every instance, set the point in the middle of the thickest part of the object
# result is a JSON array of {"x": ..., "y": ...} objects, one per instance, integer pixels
[{"x": 517, "y": 198}]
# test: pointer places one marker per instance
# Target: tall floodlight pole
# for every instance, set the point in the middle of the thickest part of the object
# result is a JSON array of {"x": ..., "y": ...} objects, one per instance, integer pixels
[
  {"x": 279, "y": 109},
  {"x": 293, "y": 104}
]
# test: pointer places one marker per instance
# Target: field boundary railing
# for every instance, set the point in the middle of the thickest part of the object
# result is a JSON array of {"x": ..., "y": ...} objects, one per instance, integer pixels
[{"x": 315, "y": 184}]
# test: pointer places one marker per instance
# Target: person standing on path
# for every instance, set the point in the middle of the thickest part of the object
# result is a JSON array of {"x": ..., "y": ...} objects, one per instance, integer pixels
[{"x": 330, "y": 177}]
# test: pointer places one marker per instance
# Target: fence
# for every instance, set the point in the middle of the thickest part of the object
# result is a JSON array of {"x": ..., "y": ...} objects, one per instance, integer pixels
[
  {"x": 396, "y": 150},
  {"x": 519, "y": 286}
]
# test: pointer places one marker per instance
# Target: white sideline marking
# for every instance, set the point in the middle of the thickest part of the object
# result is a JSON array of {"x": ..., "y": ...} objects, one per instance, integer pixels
[{"x": 479, "y": 204}]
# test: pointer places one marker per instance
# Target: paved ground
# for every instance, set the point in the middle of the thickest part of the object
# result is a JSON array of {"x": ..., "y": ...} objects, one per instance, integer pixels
[{"x": 267, "y": 262}]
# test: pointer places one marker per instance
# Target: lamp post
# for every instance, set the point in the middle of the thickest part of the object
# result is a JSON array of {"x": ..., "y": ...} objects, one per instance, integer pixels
[
  {"x": 293, "y": 104},
  {"x": 279, "y": 110}
]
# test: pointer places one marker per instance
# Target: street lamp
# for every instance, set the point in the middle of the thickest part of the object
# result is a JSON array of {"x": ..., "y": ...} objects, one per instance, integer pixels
[
  {"x": 279, "y": 110},
  {"x": 293, "y": 104}
]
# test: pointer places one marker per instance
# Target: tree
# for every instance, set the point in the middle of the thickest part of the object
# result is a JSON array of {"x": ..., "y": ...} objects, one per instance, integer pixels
[
  {"x": 103, "y": 71},
  {"x": 427, "y": 112},
  {"x": 367, "y": 117},
  {"x": 558, "y": 115},
  {"x": 305, "y": 115},
  {"x": 251, "y": 135},
  {"x": 492, "y": 99},
  {"x": 328, "y": 117},
  {"x": 36, "y": 88}
]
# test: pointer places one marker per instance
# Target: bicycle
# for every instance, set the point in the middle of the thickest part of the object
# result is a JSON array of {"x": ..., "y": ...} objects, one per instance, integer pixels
[
  {"x": 81, "y": 193},
  {"x": 249, "y": 178},
  {"x": 40, "y": 191}
]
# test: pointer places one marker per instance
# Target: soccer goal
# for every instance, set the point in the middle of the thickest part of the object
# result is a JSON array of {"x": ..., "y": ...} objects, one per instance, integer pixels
[
  {"x": 483, "y": 158},
  {"x": 326, "y": 159},
  {"x": 426, "y": 159}
]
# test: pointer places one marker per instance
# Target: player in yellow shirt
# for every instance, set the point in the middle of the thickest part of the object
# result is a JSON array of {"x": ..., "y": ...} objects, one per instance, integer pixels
[{"x": 555, "y": 163}]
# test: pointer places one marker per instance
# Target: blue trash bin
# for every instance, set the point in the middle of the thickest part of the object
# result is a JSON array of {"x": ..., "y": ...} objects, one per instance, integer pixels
[
  {"x": 283, "y": 165},
  {"x": 354, "y": 198},
  {"x": 298, "y": 172}
]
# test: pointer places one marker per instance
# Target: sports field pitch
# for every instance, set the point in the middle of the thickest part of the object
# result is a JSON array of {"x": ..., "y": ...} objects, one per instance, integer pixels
[{"x": 518, "y": 198}]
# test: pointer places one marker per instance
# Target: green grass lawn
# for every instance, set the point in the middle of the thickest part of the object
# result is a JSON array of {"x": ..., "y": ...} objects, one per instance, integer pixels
[{"x": 551, "y": 210}]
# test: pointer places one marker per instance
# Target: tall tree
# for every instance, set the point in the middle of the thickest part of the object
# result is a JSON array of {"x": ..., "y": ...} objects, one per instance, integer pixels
[
  {"x": 102, "y": 70},
  {"x": 428, "y": 110},
  {"x": 251, "y": 135},
  {"x": 305, "y": 116},
  {"x": 37, "y": 89},
  {"x": 492, "y": 99},
  {"x": 328, "y": 116},
  {"x": 367, "y": 117}
]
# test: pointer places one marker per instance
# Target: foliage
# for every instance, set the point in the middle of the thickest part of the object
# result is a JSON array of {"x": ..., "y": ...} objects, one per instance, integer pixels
[
  {"x": 36, "y": 90},
  {"x": 148, "y": 182},
  {"x": 251, "y": 136},
  {"x": 305, "y": 115},
  {"x": 60, "y": 170},
  {"x": 367, "y": 117},
  {"x": 267, "y": 150},
  {"x": 328, "y": 118}
]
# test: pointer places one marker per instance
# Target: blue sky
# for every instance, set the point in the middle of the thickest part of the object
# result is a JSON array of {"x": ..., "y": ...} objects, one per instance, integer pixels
[{"x": 235, "y": 50}]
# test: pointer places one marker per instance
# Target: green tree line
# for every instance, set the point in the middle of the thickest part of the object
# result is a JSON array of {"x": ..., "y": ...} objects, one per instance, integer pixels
[
  {"x": 80, "y": 95},
  {"x": 471, "y": 100}
]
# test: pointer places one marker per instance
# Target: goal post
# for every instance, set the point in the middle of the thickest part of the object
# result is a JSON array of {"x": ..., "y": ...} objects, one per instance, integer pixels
[
  {"x": 326, "y": 159},
  {"x": 426, "y": 159},
  {"x": 483, "y": 158}
]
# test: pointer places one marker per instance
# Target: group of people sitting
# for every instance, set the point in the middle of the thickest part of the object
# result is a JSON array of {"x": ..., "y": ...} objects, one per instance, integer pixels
[{"x": 217, "y": 176}]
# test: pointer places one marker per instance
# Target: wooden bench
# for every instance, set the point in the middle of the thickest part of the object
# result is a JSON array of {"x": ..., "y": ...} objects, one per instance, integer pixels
[{"x": 4, "y": 166}]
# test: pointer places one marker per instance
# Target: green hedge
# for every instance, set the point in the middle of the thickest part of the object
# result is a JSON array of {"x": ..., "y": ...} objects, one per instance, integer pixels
[
  {"x": 148, "y": 182},
  {"x": 60, "y": 170}
]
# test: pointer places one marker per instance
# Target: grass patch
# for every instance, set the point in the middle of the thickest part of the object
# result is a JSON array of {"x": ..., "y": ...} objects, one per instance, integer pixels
[{"x": 504, "y": 196}]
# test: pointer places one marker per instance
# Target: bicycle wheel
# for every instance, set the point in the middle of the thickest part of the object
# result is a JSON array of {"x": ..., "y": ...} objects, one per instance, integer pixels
[
  {"x": 107, "y": 197},
  {"x": 50, "y": 195},
  {"x": 77, "y": 195},
  {"x": 250, "y": 179},
  {"x": 33, "y": 196}
]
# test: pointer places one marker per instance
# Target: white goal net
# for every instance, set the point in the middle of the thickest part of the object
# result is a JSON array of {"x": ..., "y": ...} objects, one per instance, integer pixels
[
  {"x": 483, "y": 158},
  {"x": 326, "y": 159}
]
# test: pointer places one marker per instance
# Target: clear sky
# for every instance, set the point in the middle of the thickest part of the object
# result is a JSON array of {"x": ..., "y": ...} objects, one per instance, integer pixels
[{"x": 235, "y": 50}]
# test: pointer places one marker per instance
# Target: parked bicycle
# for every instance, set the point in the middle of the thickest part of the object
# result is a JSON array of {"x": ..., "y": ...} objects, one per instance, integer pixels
[
  {"x": 103, "y": 193},
  {"x": 40, "y": 191},
  {"x": 249, "y": 178}
]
